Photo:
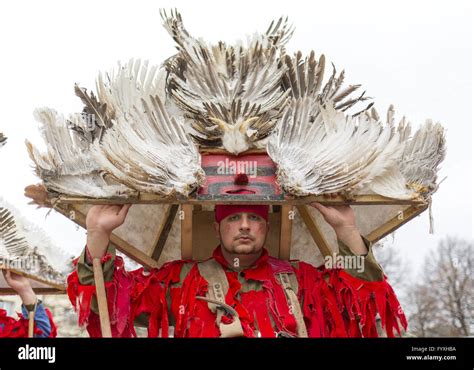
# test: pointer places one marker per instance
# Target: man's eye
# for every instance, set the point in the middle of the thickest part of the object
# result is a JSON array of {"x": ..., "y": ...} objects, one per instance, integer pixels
[
  {"x": 233, "y": 218},
  {"x": 254, "y": 217}
]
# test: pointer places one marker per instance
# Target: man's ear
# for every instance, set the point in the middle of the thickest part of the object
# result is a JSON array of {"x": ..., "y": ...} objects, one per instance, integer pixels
[{"x": 216, "y": 229}]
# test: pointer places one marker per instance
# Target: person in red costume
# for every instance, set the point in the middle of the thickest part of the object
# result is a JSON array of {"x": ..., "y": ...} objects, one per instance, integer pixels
[
  {"x": 240, "y": 291},
  {"x": 44, "y": 326}
]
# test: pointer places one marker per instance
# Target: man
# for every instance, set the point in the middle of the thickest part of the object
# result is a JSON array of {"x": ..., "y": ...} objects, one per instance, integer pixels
[
  {"x": 241, "y": 290},
  {"x": 9, "y": 327}
]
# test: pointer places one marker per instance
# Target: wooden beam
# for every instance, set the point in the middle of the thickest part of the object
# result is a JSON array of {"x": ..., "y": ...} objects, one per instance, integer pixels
[
  {"x": 132, "y": 252},
  {"x": 285, "y": 232},
  {"x": 394, "y": 223},
  {"x": 164, "y": 230},
  {"x": 315, "y": 231},
  {"x": 10, "y": 291},
  {"x": 53, "y": 285},
  {"x": 123, "y": 246},
  {"x": 186, "y": 217},
  {"x": 156, "y": 199}
]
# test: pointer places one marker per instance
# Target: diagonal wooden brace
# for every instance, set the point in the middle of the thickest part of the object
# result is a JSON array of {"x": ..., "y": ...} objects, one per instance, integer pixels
[
  {"x": 315, "y": 231},
  {"x": 391, "y": 225}
]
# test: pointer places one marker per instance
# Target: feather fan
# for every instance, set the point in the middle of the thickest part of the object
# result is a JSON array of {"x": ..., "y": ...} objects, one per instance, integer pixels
[
  {"x": 231, "y": 92},
  {"x": 27, "y": 248},
  {"x": 67, "y": 166},
  {"x": 334, "y": 153},
  {"x": 151, "y": 152}
]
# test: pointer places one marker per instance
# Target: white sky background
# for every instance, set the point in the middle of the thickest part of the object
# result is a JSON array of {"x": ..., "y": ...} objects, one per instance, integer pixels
[{"x": 414, "y": 54}]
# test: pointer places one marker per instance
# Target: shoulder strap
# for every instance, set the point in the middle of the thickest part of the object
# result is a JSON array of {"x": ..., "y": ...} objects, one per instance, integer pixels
[
  {"x": 215, "y": 276},
  {"x": 285, "y": 275},
  {"x": 288, "y": 282},
  {"x": 218, "y": 286}
]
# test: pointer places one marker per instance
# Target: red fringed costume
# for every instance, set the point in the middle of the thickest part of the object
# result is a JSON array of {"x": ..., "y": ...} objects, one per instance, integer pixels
[
  {"x": 18, "y": 328},
  {"x": 333, "y": 302}
]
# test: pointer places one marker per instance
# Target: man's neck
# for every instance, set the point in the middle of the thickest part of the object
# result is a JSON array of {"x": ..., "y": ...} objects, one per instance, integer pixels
[{"x": 241, "y": 261}]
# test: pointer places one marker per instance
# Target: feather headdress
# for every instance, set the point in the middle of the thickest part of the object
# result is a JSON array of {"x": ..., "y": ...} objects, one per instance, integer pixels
[
  {"x": 142, "y": 130},
  {"x": 26, "y": 248}
]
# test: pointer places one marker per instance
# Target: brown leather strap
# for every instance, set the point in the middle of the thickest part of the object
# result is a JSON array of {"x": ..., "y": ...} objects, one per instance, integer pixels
[
  {"x": 218, "y": 286},
  {"x": 287, "y": 281}
]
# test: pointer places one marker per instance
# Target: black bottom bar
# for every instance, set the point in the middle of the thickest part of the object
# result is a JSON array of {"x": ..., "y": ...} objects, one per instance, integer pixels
[{"x": 85, "y": 353}]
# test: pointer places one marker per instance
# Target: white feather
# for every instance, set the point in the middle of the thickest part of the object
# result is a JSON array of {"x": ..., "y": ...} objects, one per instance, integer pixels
[{"x": 123, "y": 89}]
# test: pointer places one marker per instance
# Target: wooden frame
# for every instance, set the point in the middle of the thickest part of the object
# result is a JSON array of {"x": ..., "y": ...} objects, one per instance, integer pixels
[{"x": 66, "y": 205}]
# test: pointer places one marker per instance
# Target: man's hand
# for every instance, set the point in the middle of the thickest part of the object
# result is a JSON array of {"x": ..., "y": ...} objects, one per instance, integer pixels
[
  {"x": 38, "y": 194},
  {"x": 338, "y": 217},
  {"x": 101, "y": 220},
  {"x": 21, "y": 285},
  {"x": 342, "y": 220}
]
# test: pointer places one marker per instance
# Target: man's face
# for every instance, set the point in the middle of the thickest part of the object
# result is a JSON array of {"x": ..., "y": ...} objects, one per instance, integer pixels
[{"x": 242, "y": 233}]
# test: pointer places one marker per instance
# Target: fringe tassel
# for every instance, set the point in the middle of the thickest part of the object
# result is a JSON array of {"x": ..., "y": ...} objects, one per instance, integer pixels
[
  {"x": 11, "y": 328},
  {"x": 118, "y": 301},
  {"x": 148, "y": 296},
  {"x": 364, "y": 299},
  {"x": 336, "y": 304}
]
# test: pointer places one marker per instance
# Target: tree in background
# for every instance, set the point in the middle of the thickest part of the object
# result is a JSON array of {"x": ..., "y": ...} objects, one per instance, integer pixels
[
  {"x": 395, "y": 267},
  {"x": 441, "y": 303}
]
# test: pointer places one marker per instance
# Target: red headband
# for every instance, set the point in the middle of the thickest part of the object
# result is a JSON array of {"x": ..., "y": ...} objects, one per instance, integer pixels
[{"x": 224, "y": 210}]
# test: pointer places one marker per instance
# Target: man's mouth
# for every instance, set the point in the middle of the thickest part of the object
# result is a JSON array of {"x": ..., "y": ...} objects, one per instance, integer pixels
[{"x": 244, "y": 238}]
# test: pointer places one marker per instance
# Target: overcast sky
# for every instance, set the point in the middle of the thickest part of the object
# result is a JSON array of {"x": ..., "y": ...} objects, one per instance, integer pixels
[{"x": 414, "y": 54}]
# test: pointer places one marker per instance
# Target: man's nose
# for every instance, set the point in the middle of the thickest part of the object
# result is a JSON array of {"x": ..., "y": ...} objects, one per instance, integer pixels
[{"x": 244, "y": 224}]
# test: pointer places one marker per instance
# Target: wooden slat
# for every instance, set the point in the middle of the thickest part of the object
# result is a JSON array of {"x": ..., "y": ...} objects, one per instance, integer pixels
[
  {"x": 315, "y": 231},
  {"x": 132, "y": 252},
  {"x": 9, "y": 291},
  {"x": 394, "y": 223},
  {"x": 155, "y": 199},
  {"x": 121, "y": 245},
  {"x": 164, "y": 230},
  {"x": 54, "y": 286},
  {"x": 186, "y": 218},
  {"x": 285, "y": 233}
]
